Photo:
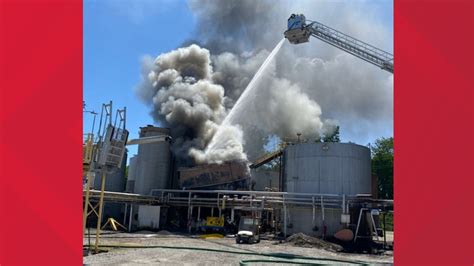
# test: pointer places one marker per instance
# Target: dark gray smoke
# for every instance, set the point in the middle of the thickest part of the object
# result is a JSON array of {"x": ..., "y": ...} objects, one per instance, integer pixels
[
  {"x": 236, "y": 26},
  {"x": 185, "y": 95},
  {"x": 355, "y": 93},
  {"x": 179, "y": 87},
  {"x": 305, "y": 83}
]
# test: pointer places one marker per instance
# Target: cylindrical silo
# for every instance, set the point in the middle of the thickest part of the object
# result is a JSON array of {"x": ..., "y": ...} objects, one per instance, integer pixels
[
  {"x": 153, "y": 165},
  {"x": 329, "y": 168},
  {"x": 324, "y": 168}
]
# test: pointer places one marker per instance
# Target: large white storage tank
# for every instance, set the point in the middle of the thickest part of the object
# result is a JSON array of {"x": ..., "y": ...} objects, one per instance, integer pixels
[
  {"x": 153, "y": 165},
  {"x": 329, "y": 168},
  {"x": 324, "y": 168}
]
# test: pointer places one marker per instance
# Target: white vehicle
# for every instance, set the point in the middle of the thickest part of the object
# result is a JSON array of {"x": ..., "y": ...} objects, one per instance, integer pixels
[{"x": 249, "y": 230}]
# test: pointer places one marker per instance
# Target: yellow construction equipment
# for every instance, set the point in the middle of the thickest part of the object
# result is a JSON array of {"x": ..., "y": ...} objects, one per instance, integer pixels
[{"x": 113, "y": 223}]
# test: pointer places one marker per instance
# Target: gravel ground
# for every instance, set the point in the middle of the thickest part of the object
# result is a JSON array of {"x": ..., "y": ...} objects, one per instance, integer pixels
[{"x": 183, "y": 256}]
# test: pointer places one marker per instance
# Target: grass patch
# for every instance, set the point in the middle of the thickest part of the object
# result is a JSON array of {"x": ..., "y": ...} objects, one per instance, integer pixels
[{"x": 388, "y": 221}]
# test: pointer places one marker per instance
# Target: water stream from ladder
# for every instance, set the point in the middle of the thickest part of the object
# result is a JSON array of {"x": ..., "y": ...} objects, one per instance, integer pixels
[{"x": 242, "y": 102}]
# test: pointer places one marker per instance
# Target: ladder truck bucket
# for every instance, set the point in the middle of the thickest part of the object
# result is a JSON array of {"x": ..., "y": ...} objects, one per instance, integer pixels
[{"x": 297, "y": 31}]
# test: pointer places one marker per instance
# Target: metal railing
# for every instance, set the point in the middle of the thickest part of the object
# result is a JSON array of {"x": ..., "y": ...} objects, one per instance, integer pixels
[
  {"x": 254, "y": 199},
  {"x": 352, "y": 45}
]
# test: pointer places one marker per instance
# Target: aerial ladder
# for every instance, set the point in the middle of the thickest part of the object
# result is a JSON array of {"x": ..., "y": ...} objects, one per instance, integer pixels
[{"x": 299, "y": 32}]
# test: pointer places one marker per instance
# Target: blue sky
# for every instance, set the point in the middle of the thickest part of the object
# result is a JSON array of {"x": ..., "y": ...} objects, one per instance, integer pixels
[
  {"x": 116, "y": 36},
  {"x": 118, "y": 33}
]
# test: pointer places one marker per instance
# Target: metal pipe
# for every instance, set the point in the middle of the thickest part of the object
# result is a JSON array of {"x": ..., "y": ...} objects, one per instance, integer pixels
[
  {"x": 190, "y": 219},
  {"x": 322, "y": 215},
  {"x": 331, "y": 202},
  {"x": 284, "y": 217},
  {"x": 344, "y": 203},
  {"x": 384, "y": 231},
  {"x": 322, "y": 208},
  {"x": 125, "y": 214},
  {"x": 314, "y": 214},
  {"x": 358, "y": 223},
  {"x": 124, "y": 116},
  {"x": 130, "y": 219},
  {"x": 218, "y": 207},
  {"x": 93, "y": 122},
  {"x": 257, "y": 200},
  {"x": 189, "y": 212},
  {"x": 374, "y": 227},
  {"x": 280, "y": 174},
  {"x": 232, "y": 192},
  {"x": 231, "y": 202},
  {"x": 284, "y": 220}
]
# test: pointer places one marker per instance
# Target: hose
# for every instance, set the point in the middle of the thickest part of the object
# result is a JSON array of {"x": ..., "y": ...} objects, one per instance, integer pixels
[
  {"x": 242, "y": 262},
  {"x": 247, "y": 262}
]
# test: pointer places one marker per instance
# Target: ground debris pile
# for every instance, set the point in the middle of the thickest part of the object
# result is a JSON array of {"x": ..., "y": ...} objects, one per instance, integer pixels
[
  {"x": 164, "y": 233},
  {"x": 302, "y": 240}
]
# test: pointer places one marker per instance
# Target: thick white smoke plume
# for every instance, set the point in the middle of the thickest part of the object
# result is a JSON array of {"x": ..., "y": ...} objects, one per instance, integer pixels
[
  {"x": 183, "y": 90},
  {"x": 184, "y": 98},
  {"x": 192, "y": 89},
  {"x": 229, "y": 147}
]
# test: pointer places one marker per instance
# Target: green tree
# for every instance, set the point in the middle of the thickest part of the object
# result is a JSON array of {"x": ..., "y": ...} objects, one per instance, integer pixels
[
  {"x": 333, "y": 137},
  {"x": 382, "y": 166}
]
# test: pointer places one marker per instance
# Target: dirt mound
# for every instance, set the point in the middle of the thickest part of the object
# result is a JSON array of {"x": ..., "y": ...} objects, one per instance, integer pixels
[
  {"x": 302, "y": 240},
  {"x": 164, "y": 233},
  {"x": 144, "y": 232}
]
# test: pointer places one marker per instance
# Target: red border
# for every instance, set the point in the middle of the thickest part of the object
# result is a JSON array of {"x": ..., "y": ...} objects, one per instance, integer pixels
[
  {"x": 41, "y": 124},
  {"x": 434, "y": 132}
]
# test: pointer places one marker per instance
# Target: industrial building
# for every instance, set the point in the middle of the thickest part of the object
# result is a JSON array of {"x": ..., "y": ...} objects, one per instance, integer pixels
[
  {"x": 153, "y": 163},
  {"x": 322, "y": 189},
  {"x": 319, "y": 189},
  {"x": 325, "y": 168},
  {"x": 227, "y": 176}
]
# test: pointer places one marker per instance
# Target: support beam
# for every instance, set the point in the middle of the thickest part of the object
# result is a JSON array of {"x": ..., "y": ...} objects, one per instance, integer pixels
[
  {"x": 125, "y": 215},
  {"x": 344, "y": 203},
  {"x": 314, "y": 214},
  {"x": 322, "y": 215},
  {"x": 86, "y": 204},
  {"x": 101, "y": 207},
  {"x": 130, "y": 219},
  {"x": 284, "y": 220}
]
